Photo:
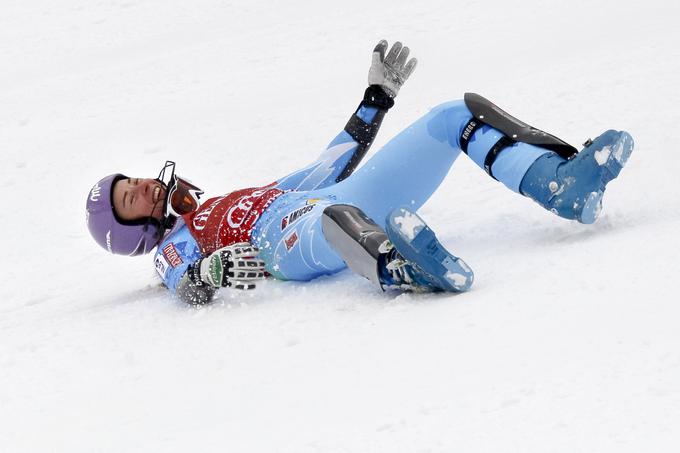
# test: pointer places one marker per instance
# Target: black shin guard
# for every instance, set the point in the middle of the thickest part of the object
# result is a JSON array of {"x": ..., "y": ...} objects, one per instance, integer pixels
[
  {"x": 356, "y": 238},
  {"x": 485, "y": 112}
]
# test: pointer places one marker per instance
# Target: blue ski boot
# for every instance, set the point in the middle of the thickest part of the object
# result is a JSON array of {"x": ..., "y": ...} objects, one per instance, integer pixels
[
  {"x": 415, "y": 259},
  {"x": 573, "y": 188}
]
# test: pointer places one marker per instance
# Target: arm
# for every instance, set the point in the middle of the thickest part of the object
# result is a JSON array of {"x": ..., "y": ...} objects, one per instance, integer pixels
[
  {"x": 362, "y": 128},
  {"x": 235, "y": 266},
  {"x": 195, "y": 278},
  {"x": 342, "y": 156}
]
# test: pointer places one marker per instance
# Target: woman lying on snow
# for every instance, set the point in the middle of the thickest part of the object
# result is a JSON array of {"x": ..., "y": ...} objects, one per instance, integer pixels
[{"x": 326, "y": 216}]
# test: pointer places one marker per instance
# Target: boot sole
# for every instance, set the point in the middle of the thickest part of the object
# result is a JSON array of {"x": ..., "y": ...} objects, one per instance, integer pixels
[
  {"x": 613, "y": 157},
  {"x": 417, "y": 243}
]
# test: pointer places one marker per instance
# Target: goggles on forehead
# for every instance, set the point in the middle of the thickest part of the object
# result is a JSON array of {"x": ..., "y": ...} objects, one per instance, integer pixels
[{"x": 181, "y": 196}]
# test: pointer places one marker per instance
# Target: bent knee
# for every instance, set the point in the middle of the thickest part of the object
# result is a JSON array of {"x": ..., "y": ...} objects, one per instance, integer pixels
[
  {"x": 446, "y": 121},
  {"x": 449, "y": 105}
]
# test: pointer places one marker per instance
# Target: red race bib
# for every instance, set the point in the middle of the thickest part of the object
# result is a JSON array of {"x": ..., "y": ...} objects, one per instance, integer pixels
[{"x": 226, "y": 220}]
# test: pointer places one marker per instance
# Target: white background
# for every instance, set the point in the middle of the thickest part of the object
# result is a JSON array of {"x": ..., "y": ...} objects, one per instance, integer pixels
[{"x": 568, "y": 341}]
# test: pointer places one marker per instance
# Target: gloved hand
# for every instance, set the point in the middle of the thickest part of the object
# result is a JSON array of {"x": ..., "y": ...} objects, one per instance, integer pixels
[
  {"x": 234, "y": 266},
  {"x": 391, "y": 71}
]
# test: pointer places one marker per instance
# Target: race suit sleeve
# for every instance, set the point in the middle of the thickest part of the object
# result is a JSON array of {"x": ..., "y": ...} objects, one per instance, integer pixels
[
  {"x": 174, "y": 255},
  {"x": 342, "y": 156}
]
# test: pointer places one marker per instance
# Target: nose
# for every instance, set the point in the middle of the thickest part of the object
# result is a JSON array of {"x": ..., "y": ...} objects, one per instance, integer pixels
[{"x": 145, "y": 189}]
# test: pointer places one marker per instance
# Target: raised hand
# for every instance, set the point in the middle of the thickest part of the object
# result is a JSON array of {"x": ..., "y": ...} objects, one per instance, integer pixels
[{"x": 392, "y": 70}]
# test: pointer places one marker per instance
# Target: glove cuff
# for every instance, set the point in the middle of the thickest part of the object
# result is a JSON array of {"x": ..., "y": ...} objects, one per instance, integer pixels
[{"x": 375, "y": 96}]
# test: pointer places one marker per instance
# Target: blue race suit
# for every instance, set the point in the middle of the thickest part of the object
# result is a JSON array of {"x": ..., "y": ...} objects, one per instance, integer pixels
[{"x": 405, "y": 172}]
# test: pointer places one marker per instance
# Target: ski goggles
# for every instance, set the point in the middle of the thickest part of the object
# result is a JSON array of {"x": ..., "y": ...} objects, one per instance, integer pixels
[{"x": 182, "y": 197}]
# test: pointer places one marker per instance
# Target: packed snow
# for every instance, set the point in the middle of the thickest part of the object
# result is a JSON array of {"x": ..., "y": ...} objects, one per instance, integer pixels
[
  {"x": 602, "y": 156},
  {"x": 409, "y": 225},
  {"x": 457, "y": 279},
  {"x": 567, "y": 342}
]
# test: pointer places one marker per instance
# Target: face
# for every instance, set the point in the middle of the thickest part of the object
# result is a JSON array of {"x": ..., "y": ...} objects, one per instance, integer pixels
[{"x": 135, "y": 198}]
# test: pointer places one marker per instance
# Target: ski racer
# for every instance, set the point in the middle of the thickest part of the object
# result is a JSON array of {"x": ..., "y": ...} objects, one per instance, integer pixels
[{"x": 327, "y": 216}]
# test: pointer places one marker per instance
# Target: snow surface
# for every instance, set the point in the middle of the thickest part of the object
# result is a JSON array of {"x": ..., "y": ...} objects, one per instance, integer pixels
[{"x": 568, "y": 341}]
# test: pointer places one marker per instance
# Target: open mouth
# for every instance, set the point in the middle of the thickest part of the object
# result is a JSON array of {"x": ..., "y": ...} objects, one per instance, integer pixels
[{"x": 156, "y": 194}]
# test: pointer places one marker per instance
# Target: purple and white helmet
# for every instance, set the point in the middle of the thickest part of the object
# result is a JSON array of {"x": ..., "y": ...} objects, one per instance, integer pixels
[{"x": 118, "y": 236}]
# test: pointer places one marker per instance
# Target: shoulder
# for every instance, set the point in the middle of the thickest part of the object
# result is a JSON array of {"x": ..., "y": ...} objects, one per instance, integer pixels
[{"x": 174, "y": 254}]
